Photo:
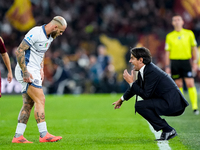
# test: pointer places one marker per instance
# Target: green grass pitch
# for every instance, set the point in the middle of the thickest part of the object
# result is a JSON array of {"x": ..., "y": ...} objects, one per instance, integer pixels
[{"x": 89, "y": 122}]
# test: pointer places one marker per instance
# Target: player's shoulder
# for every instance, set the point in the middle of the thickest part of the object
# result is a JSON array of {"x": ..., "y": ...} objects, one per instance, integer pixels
[
  {"x": 35, "y": 30},
  {"x": 33, "y": 34}
]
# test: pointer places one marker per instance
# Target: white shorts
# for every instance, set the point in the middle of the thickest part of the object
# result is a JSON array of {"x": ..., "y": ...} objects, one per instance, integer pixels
[{"x": 36, "y": 81}]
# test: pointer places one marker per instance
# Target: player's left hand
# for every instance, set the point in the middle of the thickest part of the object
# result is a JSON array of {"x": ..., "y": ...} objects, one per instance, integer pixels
[
  {"x": 118, "y": 104},
  {"x": 9, "y": 77},
  {"x": 128, "y": 77}
]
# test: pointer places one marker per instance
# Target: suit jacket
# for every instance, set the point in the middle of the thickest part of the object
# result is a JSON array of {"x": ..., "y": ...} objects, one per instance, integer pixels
[{"x": 158, "y": 85}]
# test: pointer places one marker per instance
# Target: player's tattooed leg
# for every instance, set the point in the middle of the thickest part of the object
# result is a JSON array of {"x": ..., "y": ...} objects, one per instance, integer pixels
[
  {"x": 26, "y": 109},
  {"x": 40, "y": 117}
]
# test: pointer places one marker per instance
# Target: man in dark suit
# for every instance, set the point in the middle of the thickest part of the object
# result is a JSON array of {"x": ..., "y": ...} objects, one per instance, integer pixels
[{"x": 160, "y": 94}]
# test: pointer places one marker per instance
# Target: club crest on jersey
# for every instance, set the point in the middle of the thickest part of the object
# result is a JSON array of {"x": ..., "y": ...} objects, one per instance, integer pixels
[
  {"x": 36, "y": 81},
  {"x": 46, "y": 45}
]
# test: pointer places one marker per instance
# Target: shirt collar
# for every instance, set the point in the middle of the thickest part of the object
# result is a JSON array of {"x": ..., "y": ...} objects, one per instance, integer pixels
[
  {"x": 142, "y": 70},
  {"x": 179, "y": 31},
  {"x": 43, "y": 28}
]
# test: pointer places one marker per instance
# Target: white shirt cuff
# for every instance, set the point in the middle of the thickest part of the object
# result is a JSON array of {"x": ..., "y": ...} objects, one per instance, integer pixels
[
  {"x": 131, "y": 84},
  {"x": 122, "y": 98}
]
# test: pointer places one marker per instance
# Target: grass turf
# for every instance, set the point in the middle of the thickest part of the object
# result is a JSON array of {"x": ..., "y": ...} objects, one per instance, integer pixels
[{"x": 90, "y": 122}]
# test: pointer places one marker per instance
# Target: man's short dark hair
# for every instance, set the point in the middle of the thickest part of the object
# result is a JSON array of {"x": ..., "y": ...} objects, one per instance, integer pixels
[{"x": 141, "y": 52}]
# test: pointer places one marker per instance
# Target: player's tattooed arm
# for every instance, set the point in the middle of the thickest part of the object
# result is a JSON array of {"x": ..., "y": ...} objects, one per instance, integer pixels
[{"x": 21, "y": 57}]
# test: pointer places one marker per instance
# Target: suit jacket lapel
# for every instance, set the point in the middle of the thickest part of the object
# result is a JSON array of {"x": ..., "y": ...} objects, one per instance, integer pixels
[
  {"x": 140, "y": 80},
  {"x": 140, "y": 84}
]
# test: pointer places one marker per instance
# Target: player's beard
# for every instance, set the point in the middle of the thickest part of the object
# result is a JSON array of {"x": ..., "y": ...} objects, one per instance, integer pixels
[{"x": 53, "y": 34}]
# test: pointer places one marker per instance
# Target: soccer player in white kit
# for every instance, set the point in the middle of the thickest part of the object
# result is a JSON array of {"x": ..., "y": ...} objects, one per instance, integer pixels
[{"x": 29, "y": 72}]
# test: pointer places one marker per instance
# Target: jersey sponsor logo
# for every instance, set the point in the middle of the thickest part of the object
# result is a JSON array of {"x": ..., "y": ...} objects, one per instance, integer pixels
[
  {"x": 42, "y": 51},
  {"x": 45, "y": 45},
  {"x": 36, "y": 81}
]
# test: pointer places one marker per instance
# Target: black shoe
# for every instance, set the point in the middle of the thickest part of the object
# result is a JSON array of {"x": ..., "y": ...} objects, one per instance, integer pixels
[
  {"x": 196, "y": 112},
  {"x": 167, "y": 135}
]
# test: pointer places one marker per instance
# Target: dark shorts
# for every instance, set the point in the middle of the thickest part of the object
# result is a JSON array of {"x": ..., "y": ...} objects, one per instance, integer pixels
[{"x": 181, "y": 69}]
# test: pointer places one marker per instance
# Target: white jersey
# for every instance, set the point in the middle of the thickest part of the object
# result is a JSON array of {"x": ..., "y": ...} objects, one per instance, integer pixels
[{"x": 37, "y": 39}]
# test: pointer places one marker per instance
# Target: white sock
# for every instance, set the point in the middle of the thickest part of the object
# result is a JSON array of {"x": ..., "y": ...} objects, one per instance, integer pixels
[
  {"x": 42, "y": 126},
  {"x": 20, "y": 128}
]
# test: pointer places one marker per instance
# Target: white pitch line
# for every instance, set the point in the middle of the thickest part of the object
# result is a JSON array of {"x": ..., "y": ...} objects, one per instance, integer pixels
[{"x": 163, "y": 145}]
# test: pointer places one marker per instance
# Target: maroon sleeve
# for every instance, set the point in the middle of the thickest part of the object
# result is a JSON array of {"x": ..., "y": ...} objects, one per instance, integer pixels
[{"x": 2, "y": 47}]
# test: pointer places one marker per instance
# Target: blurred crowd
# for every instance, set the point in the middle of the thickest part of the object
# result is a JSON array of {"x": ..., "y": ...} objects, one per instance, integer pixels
[{"x": 77, "y": 61}]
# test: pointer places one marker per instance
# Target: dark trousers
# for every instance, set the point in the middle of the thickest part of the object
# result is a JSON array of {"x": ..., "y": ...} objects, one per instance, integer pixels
[{"x": 147, "y": 110}]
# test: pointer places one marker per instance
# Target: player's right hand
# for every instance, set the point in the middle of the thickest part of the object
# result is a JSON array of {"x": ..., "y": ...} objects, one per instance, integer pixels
[{"x": 27, "y": 77}]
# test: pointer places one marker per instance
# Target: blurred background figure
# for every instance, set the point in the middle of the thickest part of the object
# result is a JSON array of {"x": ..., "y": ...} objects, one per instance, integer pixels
[
  {"x": 95, "y": 72},
  {"x": 109, "y": 80},
  {"x": 6, "y": 61},
  {"x": 103, "y": 59}
]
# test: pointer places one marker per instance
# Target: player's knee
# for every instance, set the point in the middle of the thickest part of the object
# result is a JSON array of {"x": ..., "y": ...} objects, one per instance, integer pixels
[
  {"x": 31, "y": 104},
  {"x": 40, "y": 101},
  {"x": 28, "y": 106},
  {"x": 191, "y": 84},
  {"x": 179, "y": 83},
  {"x": 43, "y": 100}
]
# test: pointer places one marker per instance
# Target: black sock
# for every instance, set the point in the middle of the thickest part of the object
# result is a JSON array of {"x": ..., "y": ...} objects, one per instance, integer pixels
[{"x": 167, "y": 129}]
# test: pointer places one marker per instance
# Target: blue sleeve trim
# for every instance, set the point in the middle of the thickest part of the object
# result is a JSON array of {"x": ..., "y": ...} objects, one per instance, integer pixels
[
  {"x": 27, "y": 42},
  {"x": 43, "y": 28}
]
